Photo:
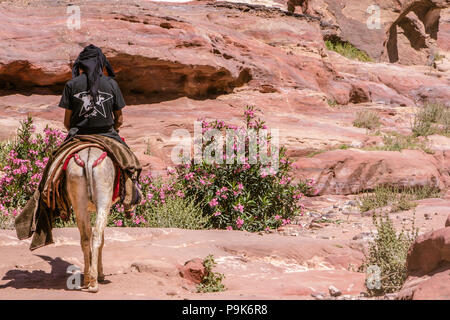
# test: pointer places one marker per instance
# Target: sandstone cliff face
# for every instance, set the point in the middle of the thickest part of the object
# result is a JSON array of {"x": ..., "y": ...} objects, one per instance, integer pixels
[
  {"x": 403, "y": 31},
  {"x": 181, "y": 61},
  {"x": 177, "y": 62}
]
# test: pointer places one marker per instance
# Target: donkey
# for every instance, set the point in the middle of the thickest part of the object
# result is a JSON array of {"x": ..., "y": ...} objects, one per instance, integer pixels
[{"x": 90, "y": 185}]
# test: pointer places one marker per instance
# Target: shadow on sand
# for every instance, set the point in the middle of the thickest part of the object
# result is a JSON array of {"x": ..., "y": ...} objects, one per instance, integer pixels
[{"x": 38, "y": 279}]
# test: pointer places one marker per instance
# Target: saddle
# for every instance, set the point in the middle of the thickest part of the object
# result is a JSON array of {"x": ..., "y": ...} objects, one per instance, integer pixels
[
  {"x": 55, "y": 194},
  {"x": 51, "y": 200}
]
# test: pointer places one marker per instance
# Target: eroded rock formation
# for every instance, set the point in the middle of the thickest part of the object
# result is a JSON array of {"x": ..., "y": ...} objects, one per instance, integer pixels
[{"x": 428, "y": 267}]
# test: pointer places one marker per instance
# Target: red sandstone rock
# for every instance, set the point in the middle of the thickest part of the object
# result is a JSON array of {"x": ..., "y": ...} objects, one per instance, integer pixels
[
  {"x": 428, "y": 264},
  {"x": 352, "y": 171},
  {"x": 429, "y": 251},
  {"x": 193, "y": 270}
]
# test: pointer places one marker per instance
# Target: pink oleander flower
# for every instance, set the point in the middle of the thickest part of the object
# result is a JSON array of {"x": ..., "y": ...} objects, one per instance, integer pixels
[
  {"x": 180, "y": 194},
  {"x": 277, "y": 217},
  {"x": 170, "y": 170},
  {"x": 213, "y": 203},
  {"x": 118, "y": 223},
  {"x": 229, "y": 228},
  {"x": 217, "y": 213},
  {"x": 239, "y": 222},
  {"x": 239, "y": 207}
]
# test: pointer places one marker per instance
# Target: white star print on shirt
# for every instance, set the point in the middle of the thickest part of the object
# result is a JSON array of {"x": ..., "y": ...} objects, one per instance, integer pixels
[{"x": 88, "y": 109}]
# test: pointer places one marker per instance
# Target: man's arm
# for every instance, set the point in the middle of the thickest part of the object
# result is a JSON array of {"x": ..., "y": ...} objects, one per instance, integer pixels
[
  {"x": 118, "y": 119},
  {"x": 67, "y": 116}
]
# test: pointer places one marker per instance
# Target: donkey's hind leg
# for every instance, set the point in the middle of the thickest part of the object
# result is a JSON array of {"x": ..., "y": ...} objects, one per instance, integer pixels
[
  {"x": 101, "y": 275},
  {"x": 78, "y": 194},
  {"x": 103, "y": 183}
]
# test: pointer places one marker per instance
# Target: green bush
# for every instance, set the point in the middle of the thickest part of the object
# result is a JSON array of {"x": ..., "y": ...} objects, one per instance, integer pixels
[
  {"x": 332, "y": 103},
  {"x": 397, "y": 142},
  {"x": 367, "y": 119},
  {"x": 399, "y": 199},
  {"x": 176, "y": 212},
  {"x": 212, "y": 281},
  {"x": 432, "y": 118},
  {"x": 388, "y": 252},
  {"x": 347, "y": 50}
]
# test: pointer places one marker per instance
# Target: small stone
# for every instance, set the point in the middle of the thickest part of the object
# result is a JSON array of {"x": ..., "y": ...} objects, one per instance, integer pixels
[
  {"x": 363, "y": 294},
  {"x": 193, "y": 270},
  {"x": 363, "y": 236},
  {"x": 315, "y": 225},
  {"x": 344, "y": 230},
  {"x": 334, "y": 292},
  {"x": 427, "y": 216},
  {"x": 356, "y": 144},
  {"x": 390, "y": 296},
  {"x": 315, "y": 215},
  {"x": 318, "y": 295},
  {"x": 171, "y": 293}
]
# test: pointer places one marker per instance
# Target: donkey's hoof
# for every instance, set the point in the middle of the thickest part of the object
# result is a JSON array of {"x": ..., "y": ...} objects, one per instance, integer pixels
[
  {"x": 93, "y": 289},
  {"x": 101, "y": 278}
]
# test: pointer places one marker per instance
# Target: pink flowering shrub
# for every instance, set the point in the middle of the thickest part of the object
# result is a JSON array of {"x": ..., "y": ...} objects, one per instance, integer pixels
[
  {"x": 307, "y": 187},
  {"x": 242, "y": 196},
  {"x": 22, "y": 162}
]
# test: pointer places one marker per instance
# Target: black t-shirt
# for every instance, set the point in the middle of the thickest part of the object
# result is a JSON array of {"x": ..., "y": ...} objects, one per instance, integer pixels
[{"x": 85, "y": 114}]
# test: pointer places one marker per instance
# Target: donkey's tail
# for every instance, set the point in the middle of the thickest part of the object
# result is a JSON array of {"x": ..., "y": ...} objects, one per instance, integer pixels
[{"x": 89, "y": 176}]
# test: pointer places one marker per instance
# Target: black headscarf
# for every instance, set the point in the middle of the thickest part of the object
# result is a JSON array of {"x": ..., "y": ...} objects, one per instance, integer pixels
[{"x": 92, "y": 61}]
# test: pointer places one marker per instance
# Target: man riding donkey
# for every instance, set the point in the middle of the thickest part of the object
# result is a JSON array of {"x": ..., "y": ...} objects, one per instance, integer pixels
[{"x": 93, "y": 106}]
